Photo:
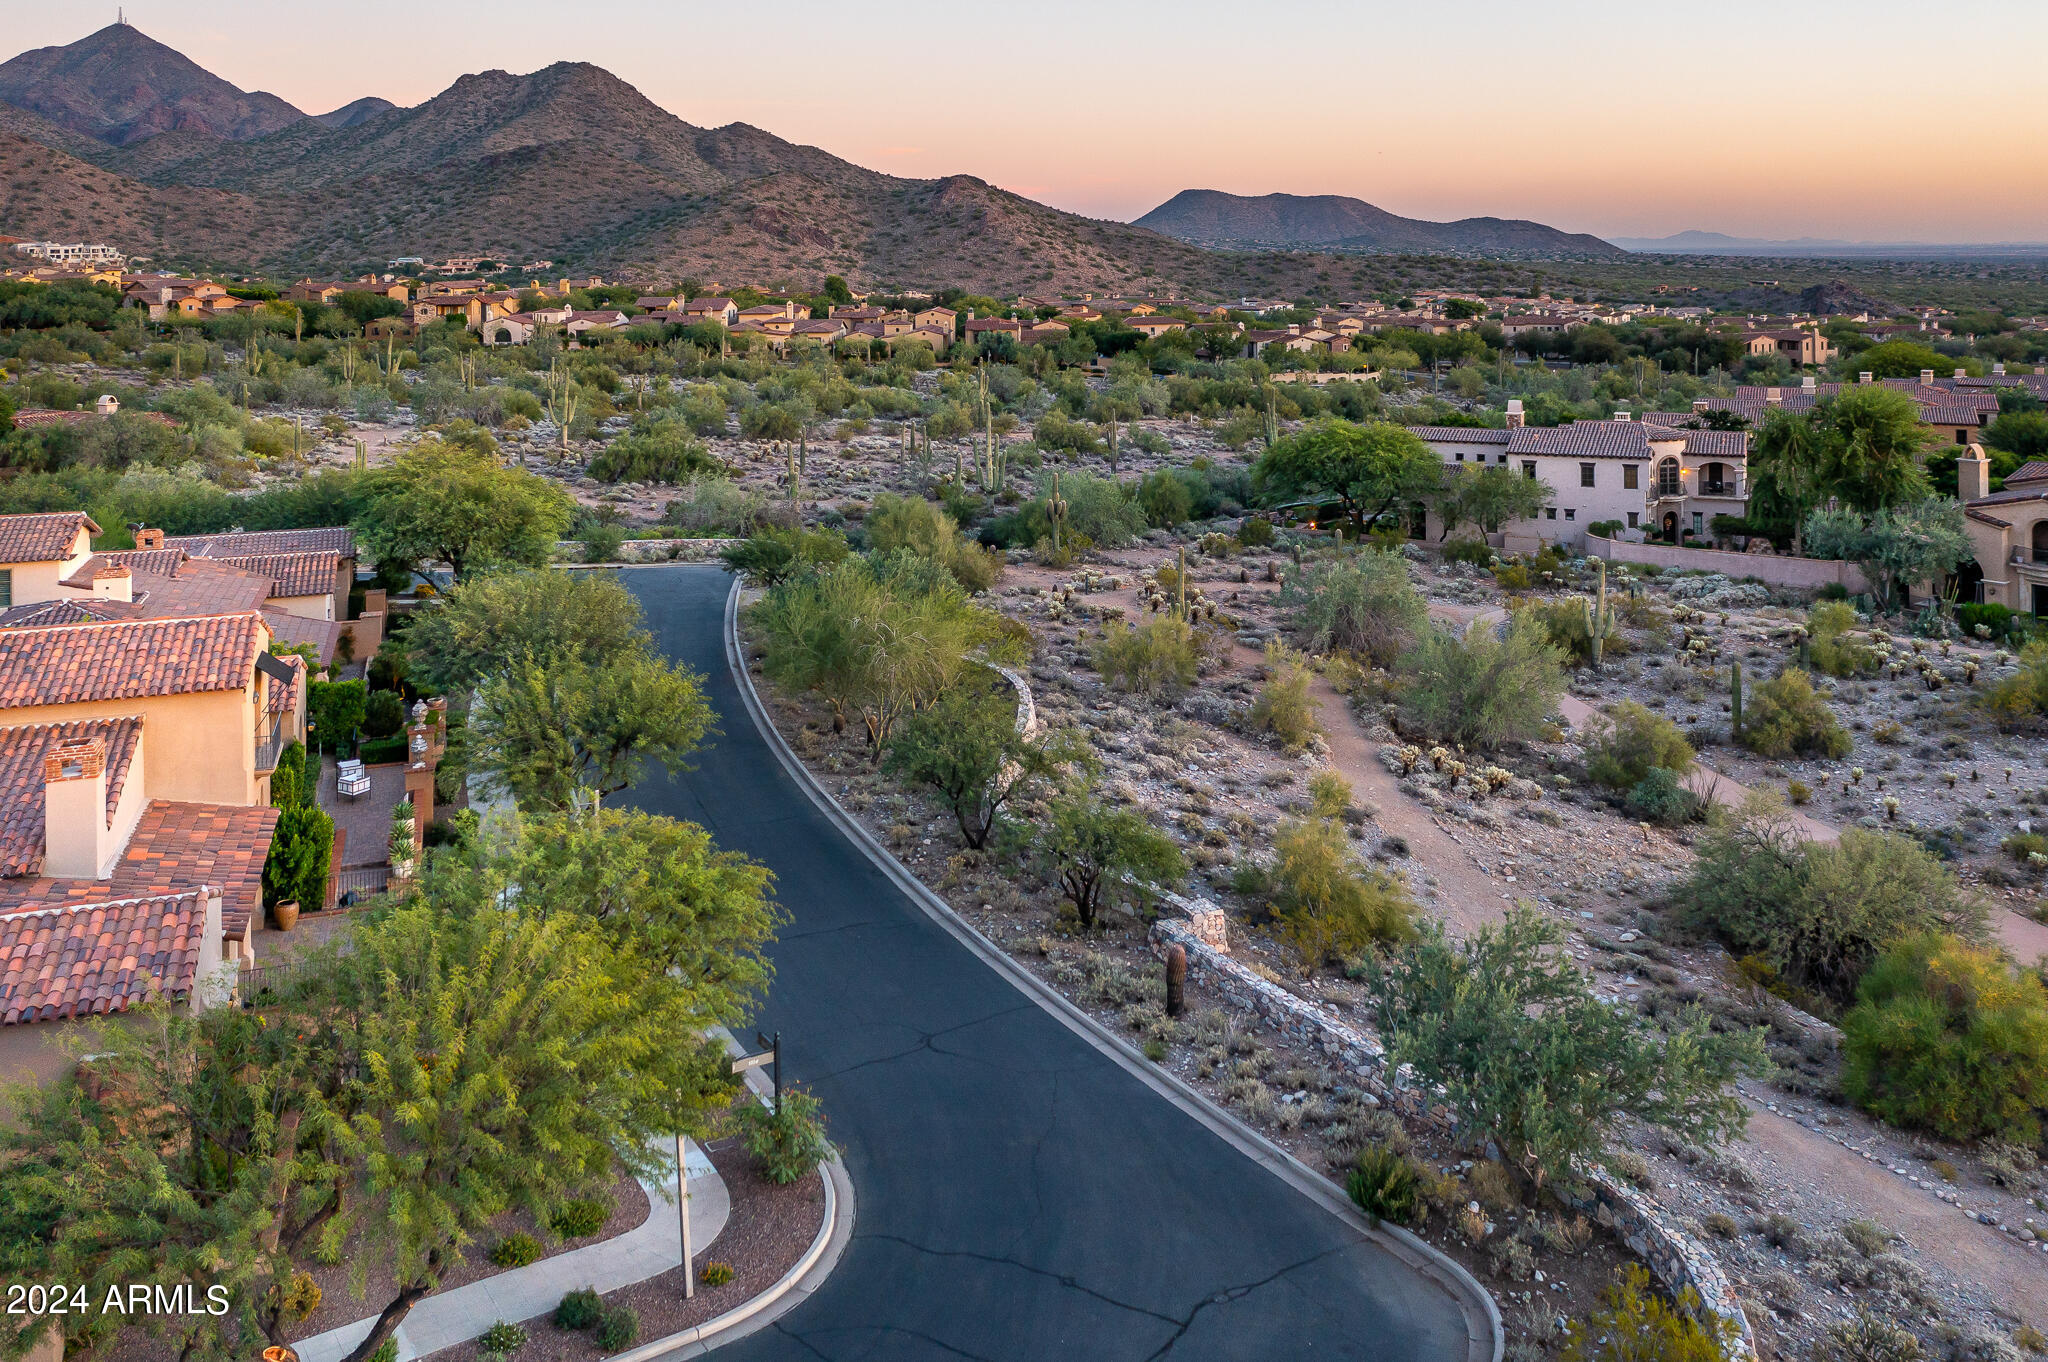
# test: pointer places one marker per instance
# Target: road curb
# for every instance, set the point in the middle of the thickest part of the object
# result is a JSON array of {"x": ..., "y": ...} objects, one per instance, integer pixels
[
  {"x": 1485, "y": 1340},
  {"x": 790, "y": 1290}
]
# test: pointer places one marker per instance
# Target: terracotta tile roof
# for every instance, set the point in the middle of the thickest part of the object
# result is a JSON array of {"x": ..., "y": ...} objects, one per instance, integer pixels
[
  {"x": 42, "y": 614},
  {"x": 2033, "y": 470},
  {"x": 1587, "y": 440},
  {"x": 336, "y": 539},
  {"x": 88, "y": 960},
  {"x": 290, "y": 630},
  {"x": 163, "y": 562},
  {"x": 127, "y": 659},
  {"x": 291, "y": 574},
  {"x": 44, "y": 538},
  {"x": 200, "y": 586},
  {"x": 281, "y": 696},
  {"x": 22, "y": 804},
  {"x": 1717, "y": 444},
  {"x": 1470, "y": 435},
  {"x": 23, "y": 419},
  {"x": 176, "y": 848}
]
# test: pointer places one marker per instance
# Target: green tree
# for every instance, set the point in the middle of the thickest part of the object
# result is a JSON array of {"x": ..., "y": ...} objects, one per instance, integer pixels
[
  {"x": 336, "y": 709},
  {"x": 1091, "y": 847},
  {"x": 542, "y": 730},
  {"x": 1488, "y": 497},
  {"x": 1906, "y": 359},
  {"x": 437, "y": 503},
  {"x": 1327, "y": 907},
  {"x": 2022, "y": 434},
  {"x": 1366, "y": 470},
  {"x": 1786, "y": 474},
  {"x": 966, "y": 746},
  {"x": 1627, "y": 743},
  {"x": 1872, "y": 439},
  {"x": 1512, "y": 1036},
  {"x": 1786, "y": 717},
  {"x": 1482, "y": 689},
  {"x": 656, "y": 451},
  {"x": 1949, "y": 1038},
  {"x": 774, "y": 555},
  {"x": 486, "y": 622},
  {"x": 1363, "y": 604},
  {"x": 1636, "y": 1324}
]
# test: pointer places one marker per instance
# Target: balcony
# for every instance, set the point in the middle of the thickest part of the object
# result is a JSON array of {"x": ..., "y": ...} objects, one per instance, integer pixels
[{"x": 267, "y": 749}]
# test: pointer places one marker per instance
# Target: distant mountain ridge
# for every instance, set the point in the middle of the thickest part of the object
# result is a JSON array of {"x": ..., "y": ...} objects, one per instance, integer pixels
[
  {"x": 1210, "y": 217},
  {"x": 118, "y": 86},
  {"x": 568, "y": 163},
  {"x": 1696, "y": 242}
]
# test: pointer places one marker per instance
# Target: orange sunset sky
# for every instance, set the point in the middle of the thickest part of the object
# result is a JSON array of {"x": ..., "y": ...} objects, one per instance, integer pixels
[{"x": 1876, "y": 120}]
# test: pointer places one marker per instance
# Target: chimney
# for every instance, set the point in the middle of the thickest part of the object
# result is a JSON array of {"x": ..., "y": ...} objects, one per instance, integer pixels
[
  {"x": 565, "y": 286},
  {"x": 1973, "y": 474},
  {"x": 1515, "y": 416},
  {"x": 1621, "y": 414},
  {"x": 1998, "y": 369},
  {"x": 113, "y": 584},
  {"x": 1864, "y": 376},
  {"x": 76, "y": 841},
  {"x": 1699, "y": 404},
  {"x": 1806, "y": 384},
  {"x": 1927, "y": 378},
  {"x": 149, "y": 538},
  {"x": 107, "y": 404},
  {"x": 1962, "y": 373},
  {"x": 1773, "y": 396}
]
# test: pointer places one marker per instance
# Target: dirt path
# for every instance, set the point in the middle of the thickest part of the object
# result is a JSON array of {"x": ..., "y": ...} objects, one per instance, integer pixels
[{"x": 1822, "y": 1173}]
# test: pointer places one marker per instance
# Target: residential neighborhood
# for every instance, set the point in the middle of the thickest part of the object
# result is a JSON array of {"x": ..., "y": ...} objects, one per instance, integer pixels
[{"x": 620, "y": 737}]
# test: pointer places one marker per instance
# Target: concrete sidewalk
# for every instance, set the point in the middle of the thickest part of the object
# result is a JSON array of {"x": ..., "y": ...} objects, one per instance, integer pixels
[{"x": 450, "y": 1317}]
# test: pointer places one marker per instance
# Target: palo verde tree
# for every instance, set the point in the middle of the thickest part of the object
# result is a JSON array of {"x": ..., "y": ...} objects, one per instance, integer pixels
[
  {"x": 966, "y": 746},
  {"x": 1095, "y": 850},
  {"x": 1486, "y": 497},
  {"x": 1511, "y": 1034},
  {"x": 487, "y": 621},
  {"x": 436, "y": 503},
  {"x": 1366, "y": 470}
]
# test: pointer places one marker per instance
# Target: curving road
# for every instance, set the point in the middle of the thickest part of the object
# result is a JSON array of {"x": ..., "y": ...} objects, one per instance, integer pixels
[{"x": 1021, "y": 1195}]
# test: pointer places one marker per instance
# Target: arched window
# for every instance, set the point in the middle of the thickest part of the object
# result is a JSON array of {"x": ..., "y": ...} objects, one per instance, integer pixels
[
  {"x": 1668, "y": 484},
  {"x": 2041, "y": 541}
]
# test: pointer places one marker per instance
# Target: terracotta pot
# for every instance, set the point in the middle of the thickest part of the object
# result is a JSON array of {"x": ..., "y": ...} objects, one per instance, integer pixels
[
  {"x": 287, "y": 915},
  {"x": 280, "y": 1353}
]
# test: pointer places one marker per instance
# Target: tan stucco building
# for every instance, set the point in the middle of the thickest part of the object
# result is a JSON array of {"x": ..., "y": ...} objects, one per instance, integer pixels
[{"x": 2009, "y": 531}]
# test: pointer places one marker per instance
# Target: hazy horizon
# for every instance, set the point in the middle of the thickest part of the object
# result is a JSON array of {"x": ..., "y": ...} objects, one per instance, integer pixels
[{"x": 1828, "y": 123}]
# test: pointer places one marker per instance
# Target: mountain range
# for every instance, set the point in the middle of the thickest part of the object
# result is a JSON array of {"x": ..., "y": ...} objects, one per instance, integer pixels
[
  {"x": 1331, "y": 222},
  {"x": 119, "y": 138},
  {"x": 1809, "y": 247}
]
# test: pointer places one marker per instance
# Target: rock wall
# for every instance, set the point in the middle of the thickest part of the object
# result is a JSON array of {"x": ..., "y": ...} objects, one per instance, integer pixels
[
  {"x": 1806, "y": 574},
  {"x": 1678, "y": 1261}
]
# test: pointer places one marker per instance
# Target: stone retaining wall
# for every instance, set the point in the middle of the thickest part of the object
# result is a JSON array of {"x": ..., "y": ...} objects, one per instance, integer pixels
[
  {"x": 1637, "y": 1220},
  {"x": 650, "y": 550}
]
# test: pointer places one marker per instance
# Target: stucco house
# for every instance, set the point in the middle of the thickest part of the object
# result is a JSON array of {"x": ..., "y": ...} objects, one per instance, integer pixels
[
  {"x": 39, "y": 551},
  {"x": 2009, "y": 531}
]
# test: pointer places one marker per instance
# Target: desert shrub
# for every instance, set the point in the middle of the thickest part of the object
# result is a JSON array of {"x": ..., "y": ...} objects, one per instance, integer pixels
[
  {"x": 1387, "y": 1185},
  {"x": 516, "y": 1249},
  {"x": 1998, "y": 621},
  {"x": 579, "y": 1309},
  {"x": 1160, "y": 655},
  {"x": 583, "y": 1216},
  {"x": 1465, "y": 549},
  {"x": 502, "y": 1338},
  {"x": 1329, "y": 907},
  {"x": 715, "y": 506},
  {"x": 2024, "y": 694},
  {"x": 1626, "y": 744},
  {"x": 662, "y": 450},
  {"x": 1868, "y": 1338},
  {"x": 1818, "y": 914},
  {"x": 1329, "y": 794},
  {"x": 1827, "y": 626},
  {"x": 1947, "y": 1037},
  {"x": 775, "y": 555},
  {"x": 617, "y": 1327},
  {"x": 1255, "y": 532},
  {"x": 297, "y": 1297},
  {"x": 716, "y": 1274},
  {"x": 1481, "y": 689},
  {"x": 787, "y": 1143},
  {"x": 1786, "y": 717},
  {"x": 1165, "y": 499},
  {"x": 1635, "y": 1324},
  {"x": 1362, "y": 604},
  {"x": 1659, "y": 798},
  {"x": 897, "y": 524},
  {"x": 1568, "y": 623},
  {"x": 1283, "y": 707}
]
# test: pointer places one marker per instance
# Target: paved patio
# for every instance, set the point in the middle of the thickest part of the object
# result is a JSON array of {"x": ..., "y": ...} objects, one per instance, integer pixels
[{"x": 367, "y": 818}]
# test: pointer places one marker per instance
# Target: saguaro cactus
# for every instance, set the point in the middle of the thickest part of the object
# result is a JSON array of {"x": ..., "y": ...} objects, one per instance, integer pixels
[
  {"x": 1735, "y": 695},
  {"x": 1600, "y": 620},
  {"x": 1180, "y": 584},
  {"x": 1056, "y": 512}
]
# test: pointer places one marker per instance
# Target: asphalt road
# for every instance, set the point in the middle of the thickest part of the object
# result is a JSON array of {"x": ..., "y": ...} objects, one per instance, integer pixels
[{"x": 1021, "y": 1196}]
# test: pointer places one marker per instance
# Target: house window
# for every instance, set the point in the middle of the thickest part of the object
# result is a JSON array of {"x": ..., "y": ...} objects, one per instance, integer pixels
[
  {"x": 1628, "y": 476},
  {"x": 1962, "y": 436},
  {"x": 1570, "y": 514},
  {"x": 1585, "y": 475},
  {"x": 1529, "y": 468},
  {"x": 1668, "y": 484},
  {"x": 6, "y": 588},
  {"x": 1459, "y": 456},
  {"x": 1632, "y": 521},
  {"x": 1550, "y": 512},
  {"x": 1698, "y": 521}
]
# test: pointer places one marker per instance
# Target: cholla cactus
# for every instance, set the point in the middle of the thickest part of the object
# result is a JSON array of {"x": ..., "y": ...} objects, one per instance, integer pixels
[
  {"x": 2000, "y": 658},
  {"x": 1948, "y": 778},
  {"x": 1410, "y": 758},
  {"x": 1856, "y": 774},
  {"x": 1891, "y": 808},
  {"x": 1438, "y": 756},
  {"x": 1947, "y": 648},
  {"x": 1496, "y": 778},
  {"x": 1969, "y": 671}
]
